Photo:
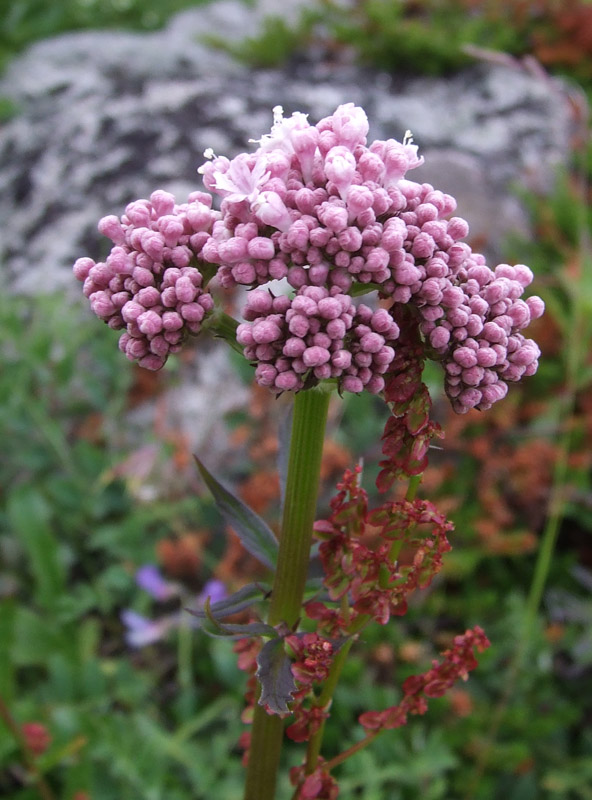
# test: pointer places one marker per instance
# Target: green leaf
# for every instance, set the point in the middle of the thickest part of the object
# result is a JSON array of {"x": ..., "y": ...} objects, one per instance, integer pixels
[
  {"x": 234, "y": 603},
  {"x": 255, "y": 535},
  {"x": 275, "y": 676},
  {"x": 29, "y": 516},
  {"x": 240, "y": 631},
  {"x": 235, "y": 631},
  {"x": 34, "y": 640}
]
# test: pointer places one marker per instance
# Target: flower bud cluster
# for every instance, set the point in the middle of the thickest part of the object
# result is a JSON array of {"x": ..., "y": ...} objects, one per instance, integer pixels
[
  {"x": 149, "y": 283},
  {"x": 318, "y": 334},
  {"x": 314, "y": 205},
  {"x": 320, "y": 207},
  {"x": 475, "y": 326}
]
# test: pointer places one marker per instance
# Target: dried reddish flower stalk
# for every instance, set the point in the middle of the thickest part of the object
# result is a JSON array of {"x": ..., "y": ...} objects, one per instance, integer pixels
[
  {"x": 319, "y": 785},
  {"x": 313, "y": 656},
  {"x": 37, "y": 737},
  {"x": 457, "y": 662},
  {"x": 409, "y": 430},
  {"x": 357, "y": 553}
]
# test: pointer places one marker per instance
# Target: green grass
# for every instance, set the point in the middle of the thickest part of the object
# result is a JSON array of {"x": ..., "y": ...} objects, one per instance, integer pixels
[{"x": 71, "y": 536}]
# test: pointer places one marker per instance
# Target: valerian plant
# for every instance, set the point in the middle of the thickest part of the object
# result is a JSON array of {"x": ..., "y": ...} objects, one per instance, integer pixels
[{"x": 333, "y": 219}]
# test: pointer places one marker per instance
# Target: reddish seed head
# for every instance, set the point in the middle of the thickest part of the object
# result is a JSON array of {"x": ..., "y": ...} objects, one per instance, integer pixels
[{"x": 37, "y": 737}]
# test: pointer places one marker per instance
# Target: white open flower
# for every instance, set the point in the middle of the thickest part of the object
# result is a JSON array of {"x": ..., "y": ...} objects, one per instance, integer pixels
[
  {"x": 242, "y": 180},
  {"x": 282, "y": 131}
]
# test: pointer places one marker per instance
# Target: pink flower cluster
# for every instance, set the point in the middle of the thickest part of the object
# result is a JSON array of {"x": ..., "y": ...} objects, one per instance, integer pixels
[
  {"x": 313, "y": 204},
  {"x": 318, "y": 334},
  {"x": 334, "y": 216},
  {"x": 150, "y": 283},
  {"x": 317, "y": 206},
  {"x": 475, "y": 326},
  {"x": 457, "y": 662}
]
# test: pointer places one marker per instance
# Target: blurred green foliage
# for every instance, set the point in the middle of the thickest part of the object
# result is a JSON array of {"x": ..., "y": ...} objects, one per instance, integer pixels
[
  {"x": 71, "y": 536},
  {"x": 431, "y": 37},
  {"x": 27, "y": 21}
]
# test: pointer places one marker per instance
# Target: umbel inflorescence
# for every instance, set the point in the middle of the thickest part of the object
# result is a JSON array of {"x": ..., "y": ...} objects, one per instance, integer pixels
[{"x": 336, "y": 218}]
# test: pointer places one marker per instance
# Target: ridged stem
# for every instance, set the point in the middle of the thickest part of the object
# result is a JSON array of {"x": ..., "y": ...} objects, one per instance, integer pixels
[{"x": 302, "y": 487}]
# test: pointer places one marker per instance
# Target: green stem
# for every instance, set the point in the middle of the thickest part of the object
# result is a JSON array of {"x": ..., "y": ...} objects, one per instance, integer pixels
[
  {"x": 223, "y": 326},
  {"x": 355, "y": 748},
  {"x": 550, "y": 533},
  {"x": 576, "y": 352},
  {"x": 264, "y": 755},
  {"x": 575, "y": 359},
  {"x": 302, "y": 486},
  {"x": 535, "y": 594},
  {"x": 413, "y": 486}
]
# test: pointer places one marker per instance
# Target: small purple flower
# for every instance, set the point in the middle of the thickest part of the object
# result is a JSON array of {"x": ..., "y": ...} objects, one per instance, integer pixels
[
  {"x": 141, "y": 631},
  {"x": 215, "y": 590},
  {"x": 150, "y": 579}
]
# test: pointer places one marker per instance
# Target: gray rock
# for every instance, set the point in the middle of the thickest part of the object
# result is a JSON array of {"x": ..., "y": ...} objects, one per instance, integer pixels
[{"x": 107, "y": 117}]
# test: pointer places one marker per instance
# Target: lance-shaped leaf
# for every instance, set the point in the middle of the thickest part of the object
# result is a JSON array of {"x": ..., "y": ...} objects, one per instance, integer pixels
[
  {"x": 215, "y": 628},
  {"x": 255, "y": 535},
  {"x": 220, "y": 631},
  {"x": 234, "y": 603},
  {"x": 275, "y": 676}
]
